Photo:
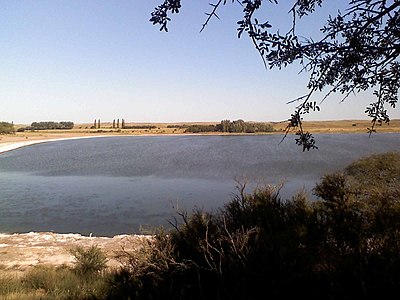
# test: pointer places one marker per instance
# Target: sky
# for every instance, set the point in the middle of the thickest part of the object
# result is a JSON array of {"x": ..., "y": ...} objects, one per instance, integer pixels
[{"x": 76, "y": 60}]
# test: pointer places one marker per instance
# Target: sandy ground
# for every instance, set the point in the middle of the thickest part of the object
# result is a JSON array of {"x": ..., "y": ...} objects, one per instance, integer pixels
[
  {"x": 21, "y": 251},
  {"x": 12, "y": 145},
  {"x": 7, "y": 145}
]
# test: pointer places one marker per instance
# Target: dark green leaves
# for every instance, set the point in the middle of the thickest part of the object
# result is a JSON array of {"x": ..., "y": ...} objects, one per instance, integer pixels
[{"x": 160, "y": 14}]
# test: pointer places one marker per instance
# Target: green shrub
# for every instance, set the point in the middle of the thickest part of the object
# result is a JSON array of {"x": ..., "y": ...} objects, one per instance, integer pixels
[
  {"x": 6, "y": 128},
  {"x": 51, "y": 125},
  {"x": 140, "y": 127},
  {"x": 201, "y": 128},
  {"x": 376, "y": 173},
  {"x": 90, "y": 260}
]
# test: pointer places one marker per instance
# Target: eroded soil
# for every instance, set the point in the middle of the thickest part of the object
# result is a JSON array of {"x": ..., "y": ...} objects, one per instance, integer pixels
[{"x": 21, "y": 251}]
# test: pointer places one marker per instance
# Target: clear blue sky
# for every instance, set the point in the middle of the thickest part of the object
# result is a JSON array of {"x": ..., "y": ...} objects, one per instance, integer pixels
[{"x": 73, "y": 60}]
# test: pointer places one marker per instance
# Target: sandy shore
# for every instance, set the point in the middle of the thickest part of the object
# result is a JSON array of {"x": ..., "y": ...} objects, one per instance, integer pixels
[
  {"x": 8, "y": 146},
  {"x": 21, "y": 251},
  {"x": 9, "y": 143}
]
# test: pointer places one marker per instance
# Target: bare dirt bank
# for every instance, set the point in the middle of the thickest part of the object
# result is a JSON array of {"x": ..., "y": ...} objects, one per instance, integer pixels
[{"x": 21, "y": 251}]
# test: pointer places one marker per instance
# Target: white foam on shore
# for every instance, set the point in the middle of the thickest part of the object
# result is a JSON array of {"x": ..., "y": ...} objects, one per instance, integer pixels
[
  {"x": 45, "y": 236},
  {"x": 5, "y": 147}
]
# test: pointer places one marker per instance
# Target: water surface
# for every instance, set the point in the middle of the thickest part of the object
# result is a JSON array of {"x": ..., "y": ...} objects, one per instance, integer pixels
[{"x": 115, "y": 185}]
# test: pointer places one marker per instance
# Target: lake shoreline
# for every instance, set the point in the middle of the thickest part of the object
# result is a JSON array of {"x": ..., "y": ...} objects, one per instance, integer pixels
[
  {"x": 16, "y": 141},
  {"x": 9, "y": 142},
  {"x": 9, "y": 146},
  {"x": 6, "y": 146}
]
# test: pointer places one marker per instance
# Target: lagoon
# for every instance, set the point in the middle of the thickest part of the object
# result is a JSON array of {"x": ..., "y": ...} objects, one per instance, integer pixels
[{"x": 117, "y": 185}]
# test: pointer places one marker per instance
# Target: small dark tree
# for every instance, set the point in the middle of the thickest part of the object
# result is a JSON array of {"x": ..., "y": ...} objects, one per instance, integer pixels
[
  {"x": 6, "y": 128},
  {"x": 225, "y": 125},
  {"x": 113, "y": 126},
  {"x": 98, "y": 123}
]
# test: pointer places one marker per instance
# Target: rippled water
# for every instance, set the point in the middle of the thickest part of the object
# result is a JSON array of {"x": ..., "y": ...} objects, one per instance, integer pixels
[{"x": 115, "y": 185}]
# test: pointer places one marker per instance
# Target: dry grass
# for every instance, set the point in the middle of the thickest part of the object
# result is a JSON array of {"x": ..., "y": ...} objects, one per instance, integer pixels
[{"x": 345, "y": 126}]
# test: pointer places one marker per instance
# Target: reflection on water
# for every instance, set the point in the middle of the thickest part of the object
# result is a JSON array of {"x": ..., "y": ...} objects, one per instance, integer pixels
[{"x": 116, "y": 185}]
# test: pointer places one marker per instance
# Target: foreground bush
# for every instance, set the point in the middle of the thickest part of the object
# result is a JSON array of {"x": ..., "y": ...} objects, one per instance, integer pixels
[
  {"x": 345, "y": 245},
  {"x": 89, "y": 261},
  {"x": 53, "y": 283},
  {"x": 81, "y": 282}
]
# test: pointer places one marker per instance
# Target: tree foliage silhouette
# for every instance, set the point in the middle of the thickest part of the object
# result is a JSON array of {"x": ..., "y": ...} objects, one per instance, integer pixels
[{"x": 358, "y": 51}]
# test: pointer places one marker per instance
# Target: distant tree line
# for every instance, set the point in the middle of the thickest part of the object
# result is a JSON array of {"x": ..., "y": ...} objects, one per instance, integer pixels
[
  {"x": 48, "y": 125},
  {"x": 6, "y": 128},
  {"x": 140, "y": 127},
  {"x": 178, "y": 126},
  {"x": 201, "y": 128},
  {"x": 116, "y": 123},
  {"x": 96, "y": 124},
  {"x": 238, "y": 126}
]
